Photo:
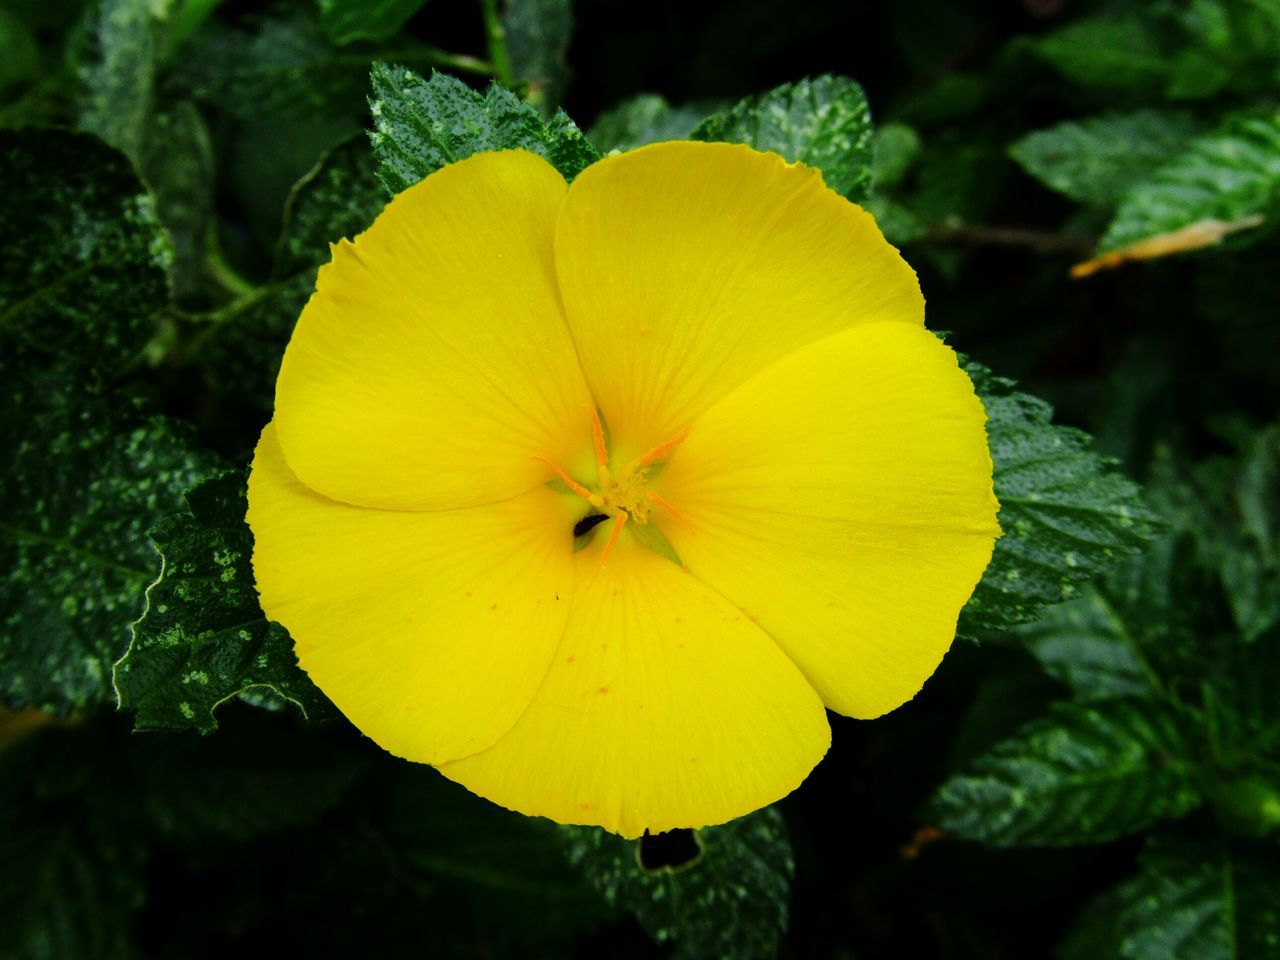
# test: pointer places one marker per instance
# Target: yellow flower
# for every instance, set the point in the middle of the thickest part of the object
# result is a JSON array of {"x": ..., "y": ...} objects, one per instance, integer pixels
[{"x": 793, "y": 471}]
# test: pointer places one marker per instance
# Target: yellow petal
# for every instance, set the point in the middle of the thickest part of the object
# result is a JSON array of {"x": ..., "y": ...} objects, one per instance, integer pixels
[
  {"x": 664, "y": 707},
  {"x": 843, "y": 498},
  {"x": 687, "y": 267},
  {"x": 433, "y": 362},
  {"x": 430, "y": 630}
]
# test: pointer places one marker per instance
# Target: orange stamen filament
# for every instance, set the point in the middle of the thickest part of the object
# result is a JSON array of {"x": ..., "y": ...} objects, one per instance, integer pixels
[
  {"x": 597, "y": 434},
  {"x": 665, "y": 505},
  {"x": 613, "y": 537},
  {"x": 661, "y": 451},
  {"x": 569, "y": 482}
]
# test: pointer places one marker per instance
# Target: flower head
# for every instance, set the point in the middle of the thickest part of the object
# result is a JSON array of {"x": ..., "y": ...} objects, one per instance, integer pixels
[{"x": 593, "y": 496}]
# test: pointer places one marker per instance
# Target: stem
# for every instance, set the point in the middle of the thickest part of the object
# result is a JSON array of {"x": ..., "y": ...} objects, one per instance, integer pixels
[
  {"x": 460, "y": 62},
  {"x": 220, "y": 270},
  {"x": 1039, "y": 241},
  {"x": 497, "y": 40}
]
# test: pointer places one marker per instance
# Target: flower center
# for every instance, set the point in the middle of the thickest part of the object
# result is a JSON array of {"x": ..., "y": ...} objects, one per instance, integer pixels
[{"x": 625, "y": 497}]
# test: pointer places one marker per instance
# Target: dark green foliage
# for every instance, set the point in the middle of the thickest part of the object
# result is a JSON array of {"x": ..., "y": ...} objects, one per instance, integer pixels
[
  {"x": 345, "y": 21},
  {"x": 647, "y": 118},
  {"x": 1067, "y": 515},
  {"x": 203, "y": 639},
  {"x": 82, "y": 477},
  {"x": 730, "y": 901},
  {"x": 84, "y": 275},
  {"x": 537, "y": 34},
  {"x": 420, "y": 124},
  {"x": 824, "y": 122},
  {"x": 1084, "y": 774}
]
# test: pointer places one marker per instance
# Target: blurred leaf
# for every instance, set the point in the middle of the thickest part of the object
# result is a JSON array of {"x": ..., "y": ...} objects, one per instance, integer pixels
[
  {"x": 894, "y": 149},
  {"x": 345, "y": 21},
  {"x": 119, "y": 80},
  {"x": 203, "y": 638},
  {"x": 1096, "y": 160},
  {"x": 1067, "y": 516},
  {"x": 646, "y": 118},
  {"x": 177, "y": 163},
  {"x": 1229, "y": 176},
  {"x": 823, "y": 122},
  {"x": 422, "y": 124},
  {"x": 731, "y": 902},
  {"x": 1190, "y": 900},
  {"x": 19, "y": 54},
  {"x": 81, "y": 479},
  {"x": 84, "y": 276},
  {"x": 1117, "y": 51},
  {"x": 538, "y": 33},
  {"x": 1086, "y": 773},
  {"x": 1087, "y": 646}
]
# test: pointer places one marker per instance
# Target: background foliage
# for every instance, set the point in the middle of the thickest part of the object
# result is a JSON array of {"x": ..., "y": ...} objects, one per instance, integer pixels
[{"x": 1088, "y": 190}]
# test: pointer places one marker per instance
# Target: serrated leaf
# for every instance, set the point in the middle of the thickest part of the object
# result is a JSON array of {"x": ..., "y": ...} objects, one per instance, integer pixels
[
  {"x": 731, "y": 902},
  {"x": 1086, "y": 773},
  {"x": 1230, "y": 177},
  {"x": 421, "y": 124},
  {"x": 824, "y": 122},
  {"x": 1067, "y": 516},
  {"x": 1087, "y": 645},
  {"x": 84, "y": 275},
  {"x": 1096, "y": 160},
  {"x": 346, "y": 21},
  {"x": 203, "y": 638},
  {"x": 646, "y": 118},
  {"x": 1113, "y": 51},
  {"x": 537, "y": 34},
  {"x": 119, "y": 80},
  {"x": 1190, "y": 900},
  {"x": 82, "y": 476}
]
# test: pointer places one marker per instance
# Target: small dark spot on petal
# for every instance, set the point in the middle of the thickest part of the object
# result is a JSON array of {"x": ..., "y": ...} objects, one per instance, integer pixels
[{"x": 588, "y": 523}]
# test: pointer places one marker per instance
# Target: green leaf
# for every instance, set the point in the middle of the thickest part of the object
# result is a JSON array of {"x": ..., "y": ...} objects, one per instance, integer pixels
[
  {"x": 537, "y": 33},
  {"x": 1067, "y": 516},
  {"x": 824, "y": 122},
  {"x": 177, "y": 163},
  {"x": 646, "y": 118},
  {"x": 730, "y": 902},
  {"x": 1096, "y": 160},
  {"x": 1087, "y": 645},
  {"x": 894, "y": 149},
  {"x": 346, "y": 21},
  {"x": 19, "y": 53},
  {"x": 82, "y": 476},
  {"x": 119, "y": 81},
  {"x": 422, "y": 124},
  {"x": 1231, "y": 176},
  {"x": 1190, "y": 900},
  {"x": 84, "y": 275},
  {"x": 1086, "y": 773},
  {"x": 203, "y": 638},
  {"x": 1110, "y": 51}
]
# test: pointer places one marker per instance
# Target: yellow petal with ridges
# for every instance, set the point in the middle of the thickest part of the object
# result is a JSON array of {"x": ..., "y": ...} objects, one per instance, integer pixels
[
  {"x": 688, "y": 267},
  {"x": 433, "y": 364},
  {"x": 664, "y": 707},
  {"x": 843, "y": 498},
  {"x": 431, "y": 631}
]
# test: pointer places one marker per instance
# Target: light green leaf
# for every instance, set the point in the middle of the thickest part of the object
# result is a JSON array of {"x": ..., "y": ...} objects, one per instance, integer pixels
[
  {"x": 1086, "y": 773},
  {"x": 537, "y": 33},
  {"x": 421, "y": 124},
  {"x": 1067, "y": 516},
  {"x": 82, "y": 476},
  {"x": 203, "y": 638},
  {"x": 647, "y": 118},
  {"x": 730, "y": 902},
  {"x": 84, "y": 275},
  {"x": 119, "y": 80},
  {"x": 1231, "y": 176},
  {"x": 824, "y": 122},
  {"x": 1111, "y": 51},
  {"x": 346, "y": 21},
  {"x": 1096, "y": 160},
  {"x": 1087, "y": 645},
  {"x": 894, "y": 149}
]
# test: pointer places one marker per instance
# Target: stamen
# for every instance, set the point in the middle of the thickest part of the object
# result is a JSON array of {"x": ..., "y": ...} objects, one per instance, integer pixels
[
  {"x": 662, "y": 502},
  {"x": 571, "y": 483},
  {"x": 661, "y": 451},
  {"x": 597, "y": 433},
  {"x": 613, "y": 537}
]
